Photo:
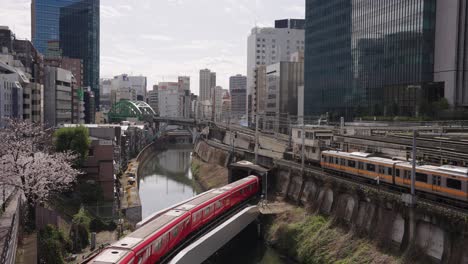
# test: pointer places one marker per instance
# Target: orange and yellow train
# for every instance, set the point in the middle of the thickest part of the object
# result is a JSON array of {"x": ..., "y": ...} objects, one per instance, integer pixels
[{"x": 448, "y": 181}]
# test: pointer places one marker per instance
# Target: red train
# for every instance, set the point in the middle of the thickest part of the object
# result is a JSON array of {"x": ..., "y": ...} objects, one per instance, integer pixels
[{"x": 155, "y": 239}]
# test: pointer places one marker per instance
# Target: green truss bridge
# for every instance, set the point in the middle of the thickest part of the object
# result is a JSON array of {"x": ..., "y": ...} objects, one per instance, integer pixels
[{"x": 130, "y": 109}]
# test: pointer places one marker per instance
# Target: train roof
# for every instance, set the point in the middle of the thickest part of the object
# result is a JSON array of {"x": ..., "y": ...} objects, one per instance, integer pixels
[
  {"x": 147, "y": 230},
  {"x": 239, "y": 182},
  {"x": 383, "y": 160},
  {"x": 110, "y": 256},
  {"x": 447, "y": 169},
  {"x": 348, "y": 154},
  {"x": 199, "y": 200}
]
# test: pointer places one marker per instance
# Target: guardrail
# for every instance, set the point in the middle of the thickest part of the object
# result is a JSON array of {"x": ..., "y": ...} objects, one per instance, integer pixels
[{"x": 10, "y": 243}]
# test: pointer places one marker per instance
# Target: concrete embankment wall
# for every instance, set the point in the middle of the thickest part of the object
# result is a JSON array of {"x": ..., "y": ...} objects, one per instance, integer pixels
[
  {"x": 438, "y": 234},
  {"x": 211, "y": 154},
  {"x": 132, "y": 206}
]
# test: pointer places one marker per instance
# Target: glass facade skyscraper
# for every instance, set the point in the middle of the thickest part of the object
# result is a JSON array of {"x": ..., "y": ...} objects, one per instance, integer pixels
[
  {"x": 365, "y": 56},
  {"x": 74, "y": 24}
]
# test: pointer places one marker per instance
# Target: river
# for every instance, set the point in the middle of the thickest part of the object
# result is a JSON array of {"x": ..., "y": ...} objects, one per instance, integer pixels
[{"x": 166, "y": 179}]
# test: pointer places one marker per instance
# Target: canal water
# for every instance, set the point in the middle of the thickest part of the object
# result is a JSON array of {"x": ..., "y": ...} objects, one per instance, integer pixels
[{"x": 166, "y": 179}]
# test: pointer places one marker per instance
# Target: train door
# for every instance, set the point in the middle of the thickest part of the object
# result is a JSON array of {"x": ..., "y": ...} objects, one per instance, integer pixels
[
  {"x": 156, "y": 250},
  {"x": 436, "y": 183},
  {"x": 164, "y": 243},
  {"x": 361, "y": 168},
  {"x": 407, "y": 177}
]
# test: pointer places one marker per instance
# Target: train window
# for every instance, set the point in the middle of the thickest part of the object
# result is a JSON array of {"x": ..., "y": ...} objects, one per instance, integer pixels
[
  {"x": 250, "y": 188},
  {"x": 175, "y": 231},
  {"x": 397, "y": 172},
  {"x": 157, "y": 245},
  {"x": 370, "y": 167},
  {"x": 436, "y": 180},
  {"x": 336, "y": 160},
  {"x": 343, "y": 162},
  {"x": 390, "y": 171},
  {"x": 242, "y": 192},
  {"x": 361, "y": 165},
  {"x": 140, "y": 260},
  {"x": 352, "y": 163},
  {"x": 453, "y": 184},
  {"x": 208, "y": 210},
  {"x": 323, "y": 158},
  {"x": 421, "y": 177}
]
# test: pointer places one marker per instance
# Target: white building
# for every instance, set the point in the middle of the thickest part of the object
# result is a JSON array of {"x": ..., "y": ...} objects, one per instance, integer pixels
[
  {"x": 266, "y": 46},
  {"x": 169, "y": 99},
  {"x": 105, "y": 88},
  {"x": 124, "y": 82},
  {"x": 58, "y": 86},
  {"x": 11, "y": 92}
]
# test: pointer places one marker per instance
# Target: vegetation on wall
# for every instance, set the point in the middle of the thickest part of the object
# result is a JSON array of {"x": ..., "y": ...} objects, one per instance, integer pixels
[
  {"x": 312, "y": 239},
  {"x": 79, "y": 231}
]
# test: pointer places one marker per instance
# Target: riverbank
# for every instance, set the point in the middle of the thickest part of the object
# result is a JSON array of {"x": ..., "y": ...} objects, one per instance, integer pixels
[
  {"x": 311, "y": 239},
  {"x": 208, "y": 175}
]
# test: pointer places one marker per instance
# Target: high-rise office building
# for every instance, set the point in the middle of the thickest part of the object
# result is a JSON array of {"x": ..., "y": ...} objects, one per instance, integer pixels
[
  {"x": 238, "y": 92},
  {"x": 282, "y": 82},
  {"x": 70, "y": 28},
  {"x": 267, "y": 46},
  {"x": 186, "y": 98},
  {"x": 207, "y": 83},
  {"x": 153, "y": 98},
  {"x": 356, "y": 64}
]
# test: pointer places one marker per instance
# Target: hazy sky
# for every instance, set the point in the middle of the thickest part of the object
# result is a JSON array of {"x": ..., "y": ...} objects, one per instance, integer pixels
[{"x": 162, "y": 39}]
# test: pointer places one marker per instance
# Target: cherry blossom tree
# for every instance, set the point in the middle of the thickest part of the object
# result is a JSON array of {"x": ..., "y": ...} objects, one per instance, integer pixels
[{"x": 28, "y": 163}]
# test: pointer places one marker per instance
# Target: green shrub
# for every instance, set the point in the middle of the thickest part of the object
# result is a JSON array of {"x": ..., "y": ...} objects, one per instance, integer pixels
[
  {"x": 52, "y": 245},
  {"x": 79, "y": 231},
  {"x": 97, "y": 225},
  {"x": 90, "y": 193},
  {"x": 74, "y": 139}
]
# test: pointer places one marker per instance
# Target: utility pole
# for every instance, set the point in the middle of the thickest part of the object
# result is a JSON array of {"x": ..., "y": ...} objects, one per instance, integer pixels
[
  {"x": 290, "y": 131},
  {"x": 257, "y": 120},
  {"x": 413, "y": 170},
  {"x": 303, "y": 147}
]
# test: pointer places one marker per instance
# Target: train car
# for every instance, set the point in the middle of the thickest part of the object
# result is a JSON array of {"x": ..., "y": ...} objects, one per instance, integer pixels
[
  {"x": 359, "y": 164},
  {"x": 447, "y": 181},
  {"x": 156, "y": 238}
]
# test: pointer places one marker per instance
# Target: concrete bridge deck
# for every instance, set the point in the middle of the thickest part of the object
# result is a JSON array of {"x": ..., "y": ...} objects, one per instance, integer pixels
[{"x": 207, "y": 245}]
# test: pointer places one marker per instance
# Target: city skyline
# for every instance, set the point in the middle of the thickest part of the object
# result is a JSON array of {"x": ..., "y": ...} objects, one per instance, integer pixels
[{"x": 174, "y": 48}]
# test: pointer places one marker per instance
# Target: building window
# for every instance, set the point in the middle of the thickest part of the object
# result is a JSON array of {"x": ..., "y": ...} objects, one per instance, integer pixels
[{"x": 91, "y": 152}]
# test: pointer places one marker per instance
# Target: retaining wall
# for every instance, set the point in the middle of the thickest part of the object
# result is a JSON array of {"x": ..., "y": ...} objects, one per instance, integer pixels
[{"x": 439, "y": 234}]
